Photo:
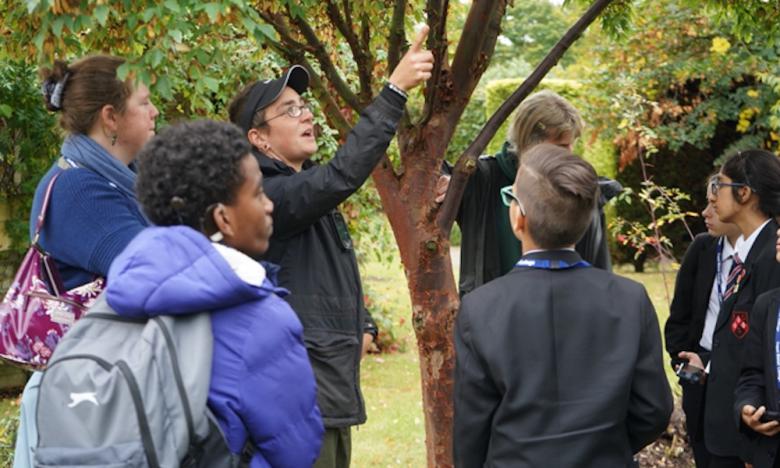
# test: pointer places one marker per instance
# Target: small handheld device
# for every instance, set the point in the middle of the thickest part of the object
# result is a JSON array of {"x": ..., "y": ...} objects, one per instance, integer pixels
[
  {"x": 770, "y": 415},
  {"x": 690, "y": 374}
]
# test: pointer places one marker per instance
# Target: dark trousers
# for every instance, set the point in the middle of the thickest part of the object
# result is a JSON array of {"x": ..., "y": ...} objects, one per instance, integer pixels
[{"x": 336, "y": 450}]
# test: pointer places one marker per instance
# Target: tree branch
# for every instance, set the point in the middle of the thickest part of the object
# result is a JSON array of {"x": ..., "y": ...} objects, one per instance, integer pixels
[
  {"x": 327, "y": 65},
  {"x": 360, "y": 52},
  {"x": 365, "y": 61},
  {"x": 329, "y": 105},
  {"x": 277, "y": 22},
  {"x": 467, "y": 161},
  {"x": 475, "y": 32},
  {"x": 437, "y": 43},
  {"x": 397, "y": 36}
]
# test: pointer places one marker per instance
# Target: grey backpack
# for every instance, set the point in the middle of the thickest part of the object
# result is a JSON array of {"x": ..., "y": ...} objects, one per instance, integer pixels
[{"x": 131, "y": 393}]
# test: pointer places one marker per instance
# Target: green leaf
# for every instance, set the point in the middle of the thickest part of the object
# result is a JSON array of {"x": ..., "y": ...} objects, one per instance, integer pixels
[
  {"x": 123, "y": 70},
  {"x": 156, "y": 57},
  {"x": 175, "y": 34},
  {"x": 213, "y": 10},
  {"x": 164, "y": 87},
  {"x": 101, "y": 14},
  {"x": 57, "y": 24},
  {"x": 147, "y": 15},
  {"x": 202, "y": 56},
  {"x": 32, "y": 5},
  {"x": 172, "y": 5},
  {"x": 249, "y": 24},
  {"x": 39, "y": 38},
  {"x": 145, "y": 77},
  {"x": 211, "y": 83},
  {"x": 6, "y": 110},
  {"x": 266, "y": 30}
]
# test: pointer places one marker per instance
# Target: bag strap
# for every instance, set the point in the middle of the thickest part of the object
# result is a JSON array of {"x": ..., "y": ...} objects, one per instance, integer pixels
[{"x": 44, "y": 206}]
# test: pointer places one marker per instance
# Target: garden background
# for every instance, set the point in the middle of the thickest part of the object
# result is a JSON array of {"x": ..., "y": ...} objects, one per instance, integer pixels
[{"x": 668, "y": 89}]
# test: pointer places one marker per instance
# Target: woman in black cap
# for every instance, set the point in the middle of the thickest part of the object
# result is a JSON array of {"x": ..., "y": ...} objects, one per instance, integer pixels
[{"x": 310, "y": 240}]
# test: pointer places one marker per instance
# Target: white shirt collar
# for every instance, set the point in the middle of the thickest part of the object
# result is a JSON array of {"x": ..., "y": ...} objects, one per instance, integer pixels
[
  {"x": 546, "y": 250},
  {"x": 244, "y": 266},
  {"x": 728, "y": 249},
  {"x": 744, "y": 245}
]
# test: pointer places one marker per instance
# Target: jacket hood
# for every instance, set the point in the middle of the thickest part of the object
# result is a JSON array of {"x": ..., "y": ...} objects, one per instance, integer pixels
[{"x": 175, "y": 271}]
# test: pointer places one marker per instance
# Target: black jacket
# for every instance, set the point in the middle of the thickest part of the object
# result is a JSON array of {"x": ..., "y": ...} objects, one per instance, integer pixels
[
  {"x": 312, "y": 246},
  {"x": 688, "y": 310},
  {"x": 480, "y": 260},
  {"x": 758, "y": 380},
  {"x": 762, "y": 274},
  {"x": 687, "y": 315},
  {"x": 558, "y": 368}
]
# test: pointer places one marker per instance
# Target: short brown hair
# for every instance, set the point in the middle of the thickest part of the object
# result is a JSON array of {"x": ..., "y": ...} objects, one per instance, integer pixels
[
  {"x": 558, "y": 191},
  {"x": 91, "y": 84},
  {"x": 540, "y": 117},
  {"x": 237, "y": 105}
]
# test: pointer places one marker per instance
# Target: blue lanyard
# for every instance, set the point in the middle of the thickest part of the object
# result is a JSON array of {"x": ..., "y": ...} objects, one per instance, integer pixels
[
  {"x": 544, "y": 264},
  {"x": 777, "y": 348},
  {"x": 719, "y": 269}
]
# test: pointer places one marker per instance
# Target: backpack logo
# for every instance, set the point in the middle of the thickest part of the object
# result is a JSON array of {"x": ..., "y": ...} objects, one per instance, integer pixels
[{"x": 78, "y": 398}]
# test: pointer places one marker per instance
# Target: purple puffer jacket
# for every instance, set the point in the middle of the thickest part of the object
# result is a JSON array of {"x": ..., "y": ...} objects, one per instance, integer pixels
[{"x": 262, "y": 387}]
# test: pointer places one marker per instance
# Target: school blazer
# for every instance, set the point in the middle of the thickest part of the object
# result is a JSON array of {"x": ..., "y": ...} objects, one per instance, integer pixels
[
  {"x": 688, "y": 310},
  {"x": 762, "y": 274},
  {"x": 557, "y": 368},
  {"x": 757, "y": 384},
  {"x": 687, "y": 315}
]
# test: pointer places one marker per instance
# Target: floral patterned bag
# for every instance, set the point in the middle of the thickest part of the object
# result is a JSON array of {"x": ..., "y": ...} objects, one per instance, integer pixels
[{"x": 36, "y": 311}]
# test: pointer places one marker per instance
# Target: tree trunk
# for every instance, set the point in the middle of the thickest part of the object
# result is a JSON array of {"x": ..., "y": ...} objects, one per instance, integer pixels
[
  {"x": 434, "y": 307},
  {"x": 421, "y": 226}
]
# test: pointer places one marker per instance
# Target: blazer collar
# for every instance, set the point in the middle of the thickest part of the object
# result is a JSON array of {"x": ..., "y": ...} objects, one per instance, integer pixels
[{"x": 767, "y": 235}]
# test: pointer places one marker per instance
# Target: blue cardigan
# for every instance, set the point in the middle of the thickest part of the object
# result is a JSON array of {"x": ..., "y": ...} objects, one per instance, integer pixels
[
  {"x": 88, "y": 223},
  {"x": 262, "y": 387}
]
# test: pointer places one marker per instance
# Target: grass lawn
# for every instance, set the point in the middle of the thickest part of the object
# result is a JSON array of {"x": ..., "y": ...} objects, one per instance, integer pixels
[{"x": 395, "y": 432}]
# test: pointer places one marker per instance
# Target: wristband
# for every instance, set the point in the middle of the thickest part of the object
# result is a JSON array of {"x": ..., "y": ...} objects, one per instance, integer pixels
[{"x": 397, "y": 90}]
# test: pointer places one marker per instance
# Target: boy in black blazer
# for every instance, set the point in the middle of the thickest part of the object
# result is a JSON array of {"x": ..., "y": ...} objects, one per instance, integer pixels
[
  {"x": 694, "y": 311},
  {"x": 557, "y": 363}
]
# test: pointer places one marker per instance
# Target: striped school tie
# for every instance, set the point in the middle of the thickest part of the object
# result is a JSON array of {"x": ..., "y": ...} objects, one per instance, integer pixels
[{"x": 735, "y": 276}]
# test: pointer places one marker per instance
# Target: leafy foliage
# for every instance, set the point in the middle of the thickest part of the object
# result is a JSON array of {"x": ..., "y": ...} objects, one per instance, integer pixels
[
  {"x": 669, "y": 61},
  {"x": 29, "y": 142},
  {"x": 529, "y": 30},
  {"x": 658, "y": 95}
]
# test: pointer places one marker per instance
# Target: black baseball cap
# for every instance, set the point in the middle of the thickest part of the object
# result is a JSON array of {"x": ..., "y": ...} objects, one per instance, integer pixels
[{"x": 264, "y": 93}]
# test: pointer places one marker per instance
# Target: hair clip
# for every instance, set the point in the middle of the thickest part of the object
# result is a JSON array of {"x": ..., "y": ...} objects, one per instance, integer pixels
[
  {"x": 177, "y": 202},
  {"x": 53, "y": 91}
]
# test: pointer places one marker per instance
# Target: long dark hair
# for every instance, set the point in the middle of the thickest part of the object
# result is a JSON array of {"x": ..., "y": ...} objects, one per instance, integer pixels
[{"x": 759, "y": 170}]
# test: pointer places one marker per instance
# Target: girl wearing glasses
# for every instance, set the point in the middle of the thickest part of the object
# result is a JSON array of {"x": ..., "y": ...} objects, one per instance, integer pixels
[
  {"x": 698, "y": 294},
  {"x": 746, "y": 192}
]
